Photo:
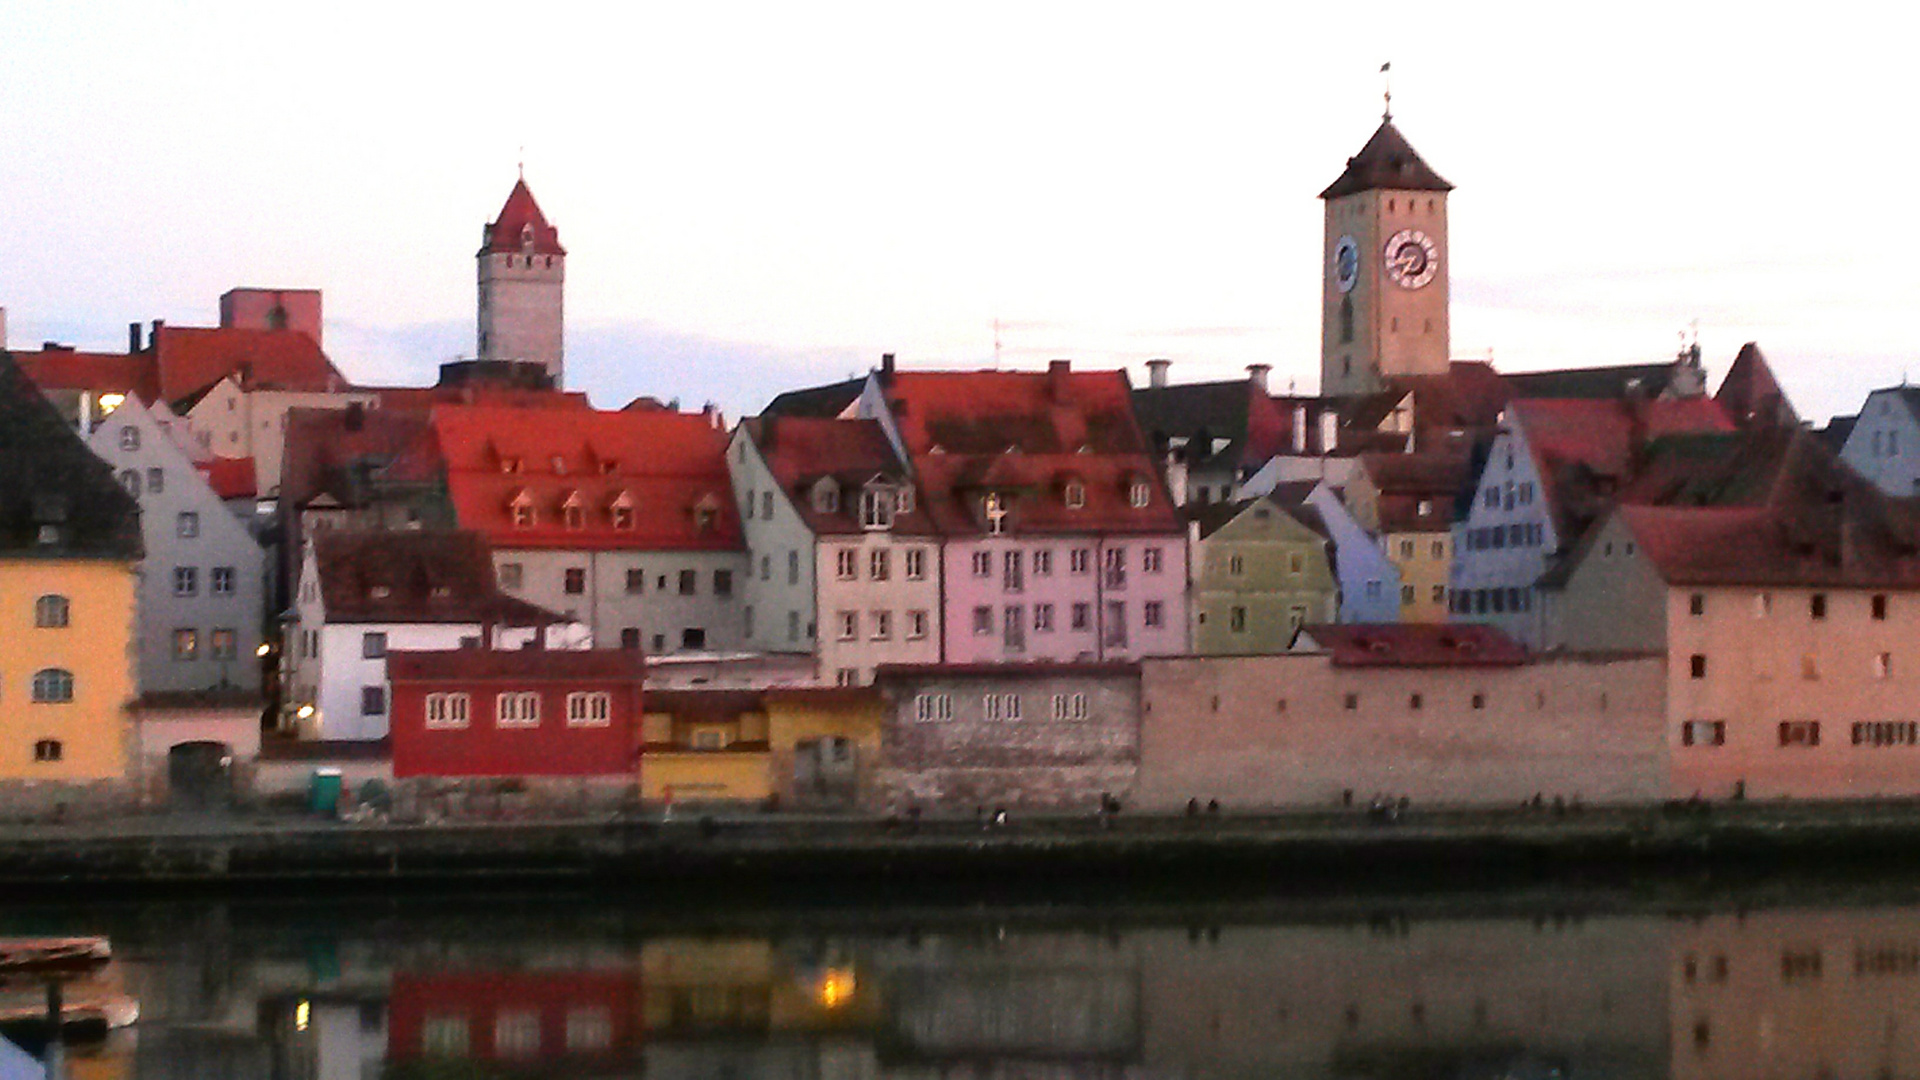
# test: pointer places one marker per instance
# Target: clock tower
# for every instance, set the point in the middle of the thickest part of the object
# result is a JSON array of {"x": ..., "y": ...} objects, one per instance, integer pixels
[{"x": 1383, "y": 298}]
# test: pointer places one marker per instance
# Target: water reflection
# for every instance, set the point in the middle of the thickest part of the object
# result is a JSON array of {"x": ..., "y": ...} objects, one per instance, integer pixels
[{"x": 525, "y": 988}]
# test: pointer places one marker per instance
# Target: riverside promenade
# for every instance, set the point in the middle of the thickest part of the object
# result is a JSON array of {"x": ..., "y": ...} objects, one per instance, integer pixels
[{"x": 1351, "y": 846}]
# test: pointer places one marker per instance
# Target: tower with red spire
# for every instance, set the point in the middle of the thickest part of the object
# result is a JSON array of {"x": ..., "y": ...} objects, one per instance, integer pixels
[{"x": 523, "y": 271}]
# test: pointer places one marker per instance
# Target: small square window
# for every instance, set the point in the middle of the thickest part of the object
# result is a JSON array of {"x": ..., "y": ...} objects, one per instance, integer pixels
[
  {"x": 1697, "y": 666},
  {"x": 373, "y": 645},
  {"x": 575, "y": 581},
  {"x": 373, "y": 701},
  {"x": 187, "y": 525}
]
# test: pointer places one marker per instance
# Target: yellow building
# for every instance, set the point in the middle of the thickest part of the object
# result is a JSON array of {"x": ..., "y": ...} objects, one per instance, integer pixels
[
  {"x": 69, "y": 548},
  {"x": 799, "y": 746},
  {"x": 1406, "y": 501}
]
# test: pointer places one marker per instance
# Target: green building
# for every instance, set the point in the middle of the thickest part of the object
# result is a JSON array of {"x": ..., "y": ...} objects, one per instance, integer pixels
[{"x": 1261, "y": 570}]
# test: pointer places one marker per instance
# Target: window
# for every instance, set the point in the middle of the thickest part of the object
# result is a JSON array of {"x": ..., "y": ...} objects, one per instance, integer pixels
[
  {"x": 187, "y": 525},
  {"x": 509, "y": 574},
  {"x": 1346, "y": 320},
  {"x": 693, "y": 637},
  {"x": 516, "y": 1032},
  {"x": 522, "y": 514},
  {"x": 592, "y": 709},
  {"x": 373, "y": 645},
  {"x": 1887, "y": 733},
  {"x": 879, "y": 564},
  {"x": 156, "y": 480},
  {"x": 916, "y": 625},
  {"x": 903, "y": 501},
  {"x": 50, "y": 612},
  {"x": 444, "y": 1036},
  {"x": 982, "y": 619},
  {"x": 982, "y": 564},
  {"x": 689, "y": 582},
  {"x": 630, "y": 637},
  {"x": 186, "y": 581},
  {"x": 622, "y": 516},
  {"x": 1880, "y": 607},
  {"x": 746, "y": 621},
  {"x": 1406, "y": 549},
  {"x": 1883, "y": 666},
  {"x": 47, "y": 750},
  {"x": 1809, "y": 667},
  {"x": 1150, "y": 560},
  {"x": 1076, "y": 495},
  {"x": 1116, "y": 625},
  {"x": 574, "y": 581},
  {"x": 1373, "y": 589},
  {"x": 1078, "y": 560},
  {"x": 723, "y": 583},
  {"x": 849, "y": 623},
  {"x": 927, "y": 707},
  {"x": 916, "y": 560},
  {"x": 636, "y": 581},
  {"x": 876, "y": 508},
  {"x": 766, "y": 505},
  {"x": 1439, "y": 594},
  {"x": 1800, "y": 733},
  {"x": 1013, "y": 628},
  {"x": 1137, "y": 495},
  {"x": 1703, "y": 733},
  {"x": 1406, "y": 595},
  {"x": 995, "y": 509},
  {"x": 846, "y": 564},
  {"x": 1479, "y": 699},
  {"x": 1762, "y": 605},
  {"x": 1116, "y": 568},
  {"x": 1697, "y": 666},
  {"x": 1697, "y": 604},
  {"x": 516, "y": 709},
  {"x": 130, "y": 479},
  {"x": 53, "y": 686},
  {"x": 1042, "y": 618},
  {"x": 1013, "y": 572},
  {"x": 373, "y": 701},
  {"x": 1817, "y": 606},
  {"x": 882, "y": 625},
  {"x": 447, "y": 710},
  {"x": 220, "y": 581},
  {"x": 129, "y": 438},
  {"x": 1237, "y": 619},
  {"x": 1438, "y": 549},
  {"x": 573, "y": 516},
  {"x": 1000, "y": 706},
  {"x": 221, "y": 643},
  {"x": 793, "y": 626},
  {"x": 1351, "y": 703},
  {"x": 1152, "y": 614},
  {"x": 1082, "y": 616}
]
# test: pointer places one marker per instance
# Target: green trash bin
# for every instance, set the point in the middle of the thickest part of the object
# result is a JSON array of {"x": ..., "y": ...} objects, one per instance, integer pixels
[{"x": 323, "y": 792}]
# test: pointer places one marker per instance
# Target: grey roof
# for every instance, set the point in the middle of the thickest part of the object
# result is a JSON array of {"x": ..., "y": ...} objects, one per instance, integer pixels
[
  {"x": 57, "y": 500},
  {"x": 1836, "y": 432},
  {"x": 822, "y": 402},
  {"x": 1387, "y": 163},
  {"x": 1217, "y": 410},
  {"x": 1594, "y": 382}
]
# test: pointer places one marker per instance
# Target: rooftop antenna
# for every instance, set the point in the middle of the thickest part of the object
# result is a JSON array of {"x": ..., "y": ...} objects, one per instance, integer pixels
[
  {"x": 996, "y": 344},
  {"x": 1386, "y": 90},
  {"x": 523, "y": 163}
]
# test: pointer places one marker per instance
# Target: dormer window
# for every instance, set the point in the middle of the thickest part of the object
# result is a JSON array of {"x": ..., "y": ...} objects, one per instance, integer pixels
[
  {"x": 380, "y": 592},
  {"x": 1138, "y": 494},
  {"x": 876, "y": 508},
  {"x": 526, "y": 239},
  {"x": 1076, "y": 495},
  {"x": 522, "y": 510},
  {"x": 622, "y": 511},
  {"x": 994, "y": 507},
  {"x": 609, "y": 466},
  {"x": 509, "y": 464},
  {"x": 826, "y": 497},
  {"x": 575, "y": 517},
  {"x": 559, "y": 465}
]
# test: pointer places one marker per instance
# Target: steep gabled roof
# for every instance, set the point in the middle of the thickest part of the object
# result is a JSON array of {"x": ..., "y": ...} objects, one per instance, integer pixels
[
  {"x": 1213, "y": 517},
  {"x": 107, "y": 373},
  {"x": 1387, "y": 163},
  {"x": 820, "y": 402},
  {"x": 1751, "y": 395},
  {"x": 1247, "y": 423},
  {"x": 668, "y": 466},
  {"x": 414, "y": 576},
  {"x": 57, "y": 499},
  {"x": 190, "y": 359},
  {"x": 521, "y": 228},
  {"x": 230, "y": 478},
  {"x": 800, "y": 451},
  {"x": 1856, "y": 542},
  {"x": 1593, "y": 383},
  {"x": 1585, "y": 451}
]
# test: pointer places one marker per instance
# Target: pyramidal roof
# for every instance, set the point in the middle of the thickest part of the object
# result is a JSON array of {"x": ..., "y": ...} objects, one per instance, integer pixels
[
  {"x": 1387, "y": 163},
  {"x": 521, "y": 227}
]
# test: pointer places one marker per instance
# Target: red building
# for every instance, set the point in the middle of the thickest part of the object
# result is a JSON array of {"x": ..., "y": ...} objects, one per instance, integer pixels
[
  {"x": 530, "y": 712},
  {"x": 532, "y": 1017}
]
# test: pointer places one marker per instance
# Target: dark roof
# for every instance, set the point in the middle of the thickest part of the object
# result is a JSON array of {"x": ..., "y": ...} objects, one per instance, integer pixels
[
  {"x": 521, "y": 227},
  {"x": 1836, "y": 432},
  {"x": 820, "y": 402},
  {"x": 51, "y": 485},
  {"x": 1416, "y": 645},
  {"x": 1615, "y": 381},
  {"x": 1212, "y": 517},
  {"x": 800, "y": 451},
  {"x": 520, "y": 665},
  {"x": 1387, "y": 163},
  {"x": 1751, "y": 395},
  {"x": 1254, "y": 426},
  {"x": 1036, "y": 669},
  {"x": 415, "y": 576}
]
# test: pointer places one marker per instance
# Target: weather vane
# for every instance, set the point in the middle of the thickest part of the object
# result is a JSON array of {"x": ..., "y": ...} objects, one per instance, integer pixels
[{"x": 1386, "y": 90}]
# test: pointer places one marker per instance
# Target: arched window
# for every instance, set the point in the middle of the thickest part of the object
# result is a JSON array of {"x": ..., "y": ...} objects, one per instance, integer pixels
[
  {"x": 48, "y": 750},
  {"x": 53, "y": 686},
  {"x": 1346, "y": 319},
  {"x": 50, "y": 612}
]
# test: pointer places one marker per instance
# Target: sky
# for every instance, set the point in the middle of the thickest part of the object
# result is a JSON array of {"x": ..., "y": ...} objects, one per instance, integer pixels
[{"x": 761, "y": 196}]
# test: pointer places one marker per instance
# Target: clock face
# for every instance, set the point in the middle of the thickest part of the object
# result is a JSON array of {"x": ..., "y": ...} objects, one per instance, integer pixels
[
  {"x": 1346, "y": 263},
  {"x": 1411, "y": 258}
]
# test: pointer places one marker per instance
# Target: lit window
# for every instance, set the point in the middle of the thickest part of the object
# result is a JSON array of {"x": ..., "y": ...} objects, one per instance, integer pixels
[
  {"x": 1138, "y": 494},
  {"x": 1076, "y": 494}
]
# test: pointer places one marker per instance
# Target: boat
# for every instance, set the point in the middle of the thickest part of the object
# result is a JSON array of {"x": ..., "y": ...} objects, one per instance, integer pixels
[{"x": 52, "y": 954}]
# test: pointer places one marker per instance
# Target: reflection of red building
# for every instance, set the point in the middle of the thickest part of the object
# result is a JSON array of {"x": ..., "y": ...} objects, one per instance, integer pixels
[
  {"x": 489, "y": 712},
  {"x": 537, "y": 1017}
]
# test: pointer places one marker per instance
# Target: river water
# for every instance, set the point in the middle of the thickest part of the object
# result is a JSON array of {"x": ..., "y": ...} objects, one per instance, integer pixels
[{"x": 1629, "y": 981}]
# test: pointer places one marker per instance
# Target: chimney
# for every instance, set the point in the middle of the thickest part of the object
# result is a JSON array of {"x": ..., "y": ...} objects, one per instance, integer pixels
[
  {"x": 153, "y": 339},
  {"x": 1257, "y": 375},
  {"x": 3, "y": 328},
  {"x": 1157, "y": 373},
  {"x": 886, "y": 363},
  {"x": 1057, "y": 371},
  {"x": 133, "y": 338}
]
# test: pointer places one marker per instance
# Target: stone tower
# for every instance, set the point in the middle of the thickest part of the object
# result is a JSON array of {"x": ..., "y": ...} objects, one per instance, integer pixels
[
  {"x": 522, "y": 272},
  {"x": 1383, "y": 303}
]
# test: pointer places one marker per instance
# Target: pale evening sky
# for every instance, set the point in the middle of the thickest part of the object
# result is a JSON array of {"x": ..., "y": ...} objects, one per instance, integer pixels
[{"x": 756, "y": 197}]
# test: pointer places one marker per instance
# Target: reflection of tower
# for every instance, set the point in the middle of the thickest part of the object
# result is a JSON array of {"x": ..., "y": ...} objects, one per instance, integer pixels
[
  {"x": 1384, "y": 296},
  {"x": 522, "y": 271}
]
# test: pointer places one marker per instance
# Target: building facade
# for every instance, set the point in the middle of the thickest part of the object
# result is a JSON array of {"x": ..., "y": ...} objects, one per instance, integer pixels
[
  {"x": 1261, "y": 571},
  {"x": 1884, "y": 445},
  {"x": 480, "y": 711},
  {"x": 522, "y": 284}
]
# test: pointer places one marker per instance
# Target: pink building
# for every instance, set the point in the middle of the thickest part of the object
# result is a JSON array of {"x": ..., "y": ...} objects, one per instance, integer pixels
[
  {"x": 1060, "y": 540},
  {"x": 273, "y": 309}
]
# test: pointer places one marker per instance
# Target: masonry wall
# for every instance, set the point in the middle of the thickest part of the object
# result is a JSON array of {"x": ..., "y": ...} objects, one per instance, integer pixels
[
  {"x": 1276, "y": 731},
  {"x": 1033, "y": 763}
]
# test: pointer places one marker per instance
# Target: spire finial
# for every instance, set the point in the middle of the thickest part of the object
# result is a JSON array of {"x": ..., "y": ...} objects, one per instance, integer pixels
[
  {"x": 523, "y": 163},
  {"x": 1386, "y": 92}
]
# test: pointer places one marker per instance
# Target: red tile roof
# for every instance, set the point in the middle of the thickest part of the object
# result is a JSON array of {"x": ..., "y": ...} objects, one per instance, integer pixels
[
  {"x": 521, "y": 227},
  {"x": 116, "y": 373},
  {"x": 669, "y": 467},
  {"x": 1751, "y": 395},
  {"x": 1027, "y": 436},
  {"x": 518, "y": 665},
  {"x": 1416, "y": 645},
  {"x": 423, "y": 398},
  {"x": 414, "y": 576},
  {"x": 192, "y": 358},
  {"x": 230, "y": 478},
  {"x": 1850, "y": 544},
  {"x": 1585, "y": 449},
  {"x": 1407, "y": 482},
  {"x": 1032, "y": 669},
  {"x": 800, "y": 451}
]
